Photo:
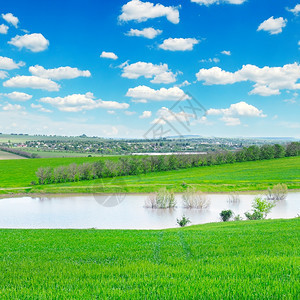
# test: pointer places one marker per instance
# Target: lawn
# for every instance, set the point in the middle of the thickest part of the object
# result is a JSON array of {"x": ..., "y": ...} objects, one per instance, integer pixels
[
  {"x": 234, "y": 260},
  {"x": 245, "y": 176}
]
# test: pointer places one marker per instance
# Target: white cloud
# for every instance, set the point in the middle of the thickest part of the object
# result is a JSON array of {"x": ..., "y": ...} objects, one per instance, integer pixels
[
  {"x": 230, "y": 121},
  {"x": 58, "y": 73},
  {"x": 11, "y": 19},
  {"x": 129, "y": 113},
  {"x": 81, "y": 102},
  {"x": 268, "y": 80},
  {"x": 110, "y": 55},
  {"x": 7, "y": 63},
  {"x": 146, "y": 114},
  {"x": 149, "y": 33},
  {"x": 139, "y": 101},
  {"x": 295, "y": 10},
  {"x": 167, "y": 115},
  {"x": 225, "y": 52},
  {"x": 32, "y": 82},
  {"x": 41, "y": 108},
  {"x": 238, "y": 109},
  {"x": 159, "y": 73},
  {"x": 179, "y": 44},
  {"x": 273, "y": 26},
  {"x": 185, "y": 83},
  {"x": 3, "y": 74},
  {"x": 34, "y": 42},
  {"x": 210, "y": 60},
  {"x": 17, "y": 96},
  {"x": 3, "y": 29},
  {"x": 139, "y": 11},
  {"x": 12, "y": 107},
  {"x": 210, "y": 2},
  {"x": 163, "y": 94}
]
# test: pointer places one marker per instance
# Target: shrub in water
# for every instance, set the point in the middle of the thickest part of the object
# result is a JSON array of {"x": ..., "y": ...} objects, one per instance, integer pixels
[
  {"x": 183, "y": 221},
  {"x": 277, "y": 193},
  {"x": 162, "y": 199},
  {"x": 195, "y": 199},
  {"x": 261, "y": 208},
  {"x": 226, "y": 215},
  {"x": 233, "y": 198}
]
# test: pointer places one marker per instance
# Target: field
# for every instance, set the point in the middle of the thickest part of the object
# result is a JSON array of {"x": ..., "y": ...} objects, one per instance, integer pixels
[
  {"x": 5, "y": 156},
  {"x": 55, "y": 154},
  {"x": 15, "y": 177},
  {"x": 234, "y": 260}
]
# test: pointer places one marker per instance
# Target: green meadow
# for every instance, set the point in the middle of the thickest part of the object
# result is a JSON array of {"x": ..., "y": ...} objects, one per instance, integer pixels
[
  {"x": 16, "y": 176},
  {"x": 233, "y": 260}
]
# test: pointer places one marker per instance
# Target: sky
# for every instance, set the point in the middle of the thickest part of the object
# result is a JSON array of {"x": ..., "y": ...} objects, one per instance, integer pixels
[{"x": 139, "y": 69}]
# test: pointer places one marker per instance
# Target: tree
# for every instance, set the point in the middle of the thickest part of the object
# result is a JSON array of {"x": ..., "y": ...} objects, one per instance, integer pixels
[
  {"x": 279, "y": 151},
  {"x": 44, "y": 175},
  {"x": 293, "y": 149},
  {"x": 267, "y": 152}
]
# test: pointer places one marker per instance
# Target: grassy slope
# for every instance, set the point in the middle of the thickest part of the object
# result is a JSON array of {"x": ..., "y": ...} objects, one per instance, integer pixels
[
  {"x": 235, "y": 260},
  {"x": 245, "y": 176}
]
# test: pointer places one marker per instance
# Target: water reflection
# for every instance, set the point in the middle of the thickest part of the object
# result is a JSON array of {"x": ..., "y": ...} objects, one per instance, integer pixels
[{"x": 129, "y": 211}]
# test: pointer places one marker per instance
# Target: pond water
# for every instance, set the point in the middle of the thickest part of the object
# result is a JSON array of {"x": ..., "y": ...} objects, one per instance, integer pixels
[{"x": 122, "y": 211}]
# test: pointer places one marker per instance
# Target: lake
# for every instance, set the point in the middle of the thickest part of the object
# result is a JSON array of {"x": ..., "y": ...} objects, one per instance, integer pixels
[{"x": 122, "y": 211}]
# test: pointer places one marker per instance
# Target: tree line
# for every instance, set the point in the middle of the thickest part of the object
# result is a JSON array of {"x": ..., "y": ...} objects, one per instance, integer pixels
[{"x": 134, "y": 165}]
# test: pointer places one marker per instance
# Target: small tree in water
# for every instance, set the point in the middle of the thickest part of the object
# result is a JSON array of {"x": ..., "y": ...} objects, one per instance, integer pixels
[
  {"x": 226, "y": 215},
  {"x": 261, "y": 208}
]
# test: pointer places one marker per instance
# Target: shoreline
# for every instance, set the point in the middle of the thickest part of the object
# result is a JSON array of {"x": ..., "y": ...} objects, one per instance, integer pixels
[{"x": 16, "y": 195}]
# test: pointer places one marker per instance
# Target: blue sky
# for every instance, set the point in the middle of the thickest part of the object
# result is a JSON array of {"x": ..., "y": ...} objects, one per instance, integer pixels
[{"x": 116, "y": 68}]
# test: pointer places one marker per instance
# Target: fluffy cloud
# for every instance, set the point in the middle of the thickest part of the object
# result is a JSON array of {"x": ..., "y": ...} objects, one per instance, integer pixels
[
  {"x": 238, "y": 109},
  {"x": 80, "y": 102},
  {"x": 17, "y": 96},
  {"x": 167, "y": 115},
  {"x": 12, "y": 107},
  {"x": 41, "y": 108},
  {"x": 7, "y": 63},
  {"x": 210, "y": 60},
  {"x": 136, "y": 10},
  {"x": 226, "y": 52},
  {"x": 34, "y": 42},
  {"x": 146, "y": 93},
  {"x": 58, "y": 73},
  {"x": 210, "y": 2},
  {"x": 110, "y": 55},
  {"x": 11, "y": 19},
  {"x": 230, "y": 121},
  {"x": 159, "y": 73},
  {"x": 179, "y": 44},
  {"x": 146, "y": 114},
  {"x": 3, "y": 29},
  {"x": 32, "y": 82},
  {"x": 295, "y": 10},
  {"x": 268, "y": 80},
  {"x": 149, "y": 33},
  {"x": 273, "y": 26}
]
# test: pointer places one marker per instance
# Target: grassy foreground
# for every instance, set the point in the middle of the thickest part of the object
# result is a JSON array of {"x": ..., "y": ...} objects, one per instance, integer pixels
[
  {"x": 234, "y": 260},
  {"x": 15, "y": 177}
]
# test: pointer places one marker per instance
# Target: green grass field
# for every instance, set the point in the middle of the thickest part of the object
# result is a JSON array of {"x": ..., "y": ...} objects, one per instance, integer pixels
[
  {"x": 15, "y": 177},
  {"x": 234, "y": 260}
]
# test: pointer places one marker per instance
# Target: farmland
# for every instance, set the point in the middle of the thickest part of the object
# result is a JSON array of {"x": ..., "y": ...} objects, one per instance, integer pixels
[
  {"x": 7, "y": 156},
  {"x": 16, "y": 176},
  {"x": 235, "y": 260}
]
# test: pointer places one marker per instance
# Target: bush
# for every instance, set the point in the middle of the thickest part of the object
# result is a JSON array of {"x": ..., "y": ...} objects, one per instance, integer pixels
[
  {"x": 238, "y": 218},
  {"x": 226, "y": 215},
  {"x": 234, "y": 198},
  {"x": 162, "y": 199},
  {"x": 195, "y": 199},
  {"x": 183, "y": 221},
  {"x": 261, "y": 208},
  {"x": 278, "y": 192}
]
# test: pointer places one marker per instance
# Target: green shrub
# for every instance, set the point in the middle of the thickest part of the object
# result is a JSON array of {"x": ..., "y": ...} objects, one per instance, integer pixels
[
  {"x": 183, "y": 221},
  {"x": 226, "y": 215}
]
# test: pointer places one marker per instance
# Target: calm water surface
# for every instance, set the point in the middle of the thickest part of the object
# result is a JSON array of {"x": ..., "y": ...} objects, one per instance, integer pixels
[{"x": 121, "y": 211}]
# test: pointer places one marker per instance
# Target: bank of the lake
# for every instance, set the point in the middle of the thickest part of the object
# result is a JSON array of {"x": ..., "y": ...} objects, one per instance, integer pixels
[
  {"x": 234, "y": 260},
  {"x": 15, "y": 177}
]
